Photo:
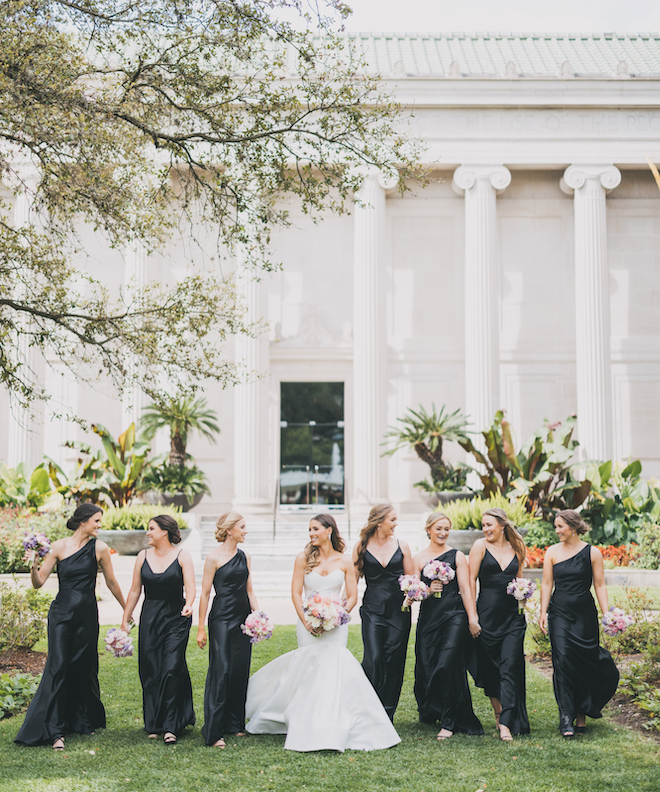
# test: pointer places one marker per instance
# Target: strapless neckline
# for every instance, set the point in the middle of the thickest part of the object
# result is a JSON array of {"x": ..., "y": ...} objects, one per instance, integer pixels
[{"x": 324, "y": 577}]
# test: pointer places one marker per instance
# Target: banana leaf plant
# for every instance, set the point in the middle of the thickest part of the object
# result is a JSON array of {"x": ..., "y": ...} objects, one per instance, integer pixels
[
  {"x": 541, "y": 470},
  {"x": 23, "y": 490}
]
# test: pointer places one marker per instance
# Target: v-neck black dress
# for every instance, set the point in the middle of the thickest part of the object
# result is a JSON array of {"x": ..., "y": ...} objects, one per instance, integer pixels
[
  {"x": 385, "y": 628},
  {"x": 166, "y": 689},
  {"x": 441, "y": 646},
  {"x": 68, "y": 699},
  {"x": 500, "y": 656},
  {"x": 229, "y": 652},
  {"x": 584, "y": 675}
]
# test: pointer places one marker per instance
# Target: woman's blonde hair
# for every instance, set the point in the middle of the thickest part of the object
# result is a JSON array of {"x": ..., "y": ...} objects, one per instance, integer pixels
[
  {"x": 375, "y": 518},
  {"x": 225, "y": 523},
  {"x": 338, "y": 544},
  {"x": 435, "y": 517},
  {"x": 511, "y": 533}
]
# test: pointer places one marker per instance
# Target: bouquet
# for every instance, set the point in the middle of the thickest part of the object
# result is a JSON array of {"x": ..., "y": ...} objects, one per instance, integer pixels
[
  {"x": 119, "y": 642},
  {"x": 415, "y": 589},
  {"x": 615, "y": 621},
  {"x": 438, "y": 570},
  {"x": 35, "y": 545},
  {"x": 258, "y": 626},
  {"x": 325, "y": 613},
  {"x": 522, "y": 589}
]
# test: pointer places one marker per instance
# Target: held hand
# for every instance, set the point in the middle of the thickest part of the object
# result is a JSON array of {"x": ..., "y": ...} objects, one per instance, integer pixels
[
  {"x": 543, "y": 623},
  {"x": 435, "y": 586},
  {"x": 187, "y": 610},
  {"x": 407, "y": 602},
  {"x": 201, "y": 637},
  {"x": 125, "y": 626},
  {"x": 313, "y": 630},
  {"x": 475, "y": 629}
]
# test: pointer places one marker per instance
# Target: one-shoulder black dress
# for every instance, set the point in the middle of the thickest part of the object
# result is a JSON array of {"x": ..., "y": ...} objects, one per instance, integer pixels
[
  {"x": 229, "y": 652},
  {"x": 441, "y": 644},
  {"x": 385, "y": 628},
  {"x": 500, "y": 657},
  {"x": 166, "y": 689},
  {"x": 584, "y": 675},
  {"x": 68, "y": 699}
]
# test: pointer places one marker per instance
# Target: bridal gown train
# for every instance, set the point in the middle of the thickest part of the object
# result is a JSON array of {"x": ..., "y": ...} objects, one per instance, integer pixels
[{"x": 318, "y": 695}]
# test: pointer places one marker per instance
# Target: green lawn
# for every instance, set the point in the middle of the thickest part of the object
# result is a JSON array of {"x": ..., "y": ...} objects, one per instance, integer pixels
[{"x": 122, "y": 759}]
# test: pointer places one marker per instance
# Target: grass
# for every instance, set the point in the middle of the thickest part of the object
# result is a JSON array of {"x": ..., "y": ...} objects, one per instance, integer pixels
[{"x": 122, "y": 759}]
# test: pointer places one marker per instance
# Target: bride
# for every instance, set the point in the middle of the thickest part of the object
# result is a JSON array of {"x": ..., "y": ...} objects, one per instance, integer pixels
[{"x": 318, "y": 695}]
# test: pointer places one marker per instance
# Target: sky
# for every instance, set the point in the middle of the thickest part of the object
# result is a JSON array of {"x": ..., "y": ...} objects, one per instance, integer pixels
[{"x": 504, "y": 16}]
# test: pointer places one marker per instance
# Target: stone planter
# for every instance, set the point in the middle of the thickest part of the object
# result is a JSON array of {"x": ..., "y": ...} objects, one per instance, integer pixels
[
  {"x": 433, "y": 499},
  {"x": 178, "y": 499},
  {"x": 131, "y": 542},
  {"x": 463, "y": 540}
]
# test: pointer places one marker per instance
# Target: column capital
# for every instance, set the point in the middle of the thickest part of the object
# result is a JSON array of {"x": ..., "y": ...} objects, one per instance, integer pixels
[
  {"x": 576, "y": 176},
  {"x": 466, "y": 176},
  {"x": 386, "y": 180}
]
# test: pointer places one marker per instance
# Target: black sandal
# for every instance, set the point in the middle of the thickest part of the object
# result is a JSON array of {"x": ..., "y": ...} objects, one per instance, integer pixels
[
  {"x": 580, "y": 729},
  {"x": 566, "y": 727},
  {"x": 170, "y": 738}
]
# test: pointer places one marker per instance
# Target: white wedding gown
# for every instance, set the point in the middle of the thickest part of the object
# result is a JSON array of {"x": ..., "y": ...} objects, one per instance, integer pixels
[{"x": 318, "y": 695}]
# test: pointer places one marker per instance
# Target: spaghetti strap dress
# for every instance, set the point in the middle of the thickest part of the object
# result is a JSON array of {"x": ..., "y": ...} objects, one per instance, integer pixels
[
  {"x": 441, "y": 649},
  {"x": 385, "y": 628},
  {"x": 68, "y": 699},
  {"x": 229, "y": 652},
  {"x": 500, "y": 657},
  {"x": 166, "y": 689},
  {"x": 584, "y": 675}
]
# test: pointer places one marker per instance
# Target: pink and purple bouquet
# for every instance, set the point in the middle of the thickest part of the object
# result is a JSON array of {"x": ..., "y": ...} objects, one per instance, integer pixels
[
  {"x": 258, "y": 626},
  {"x": 414, "y": 589},
  {"x": 35, "y": 545},
  {"x": 325, "y": 613},
  {"x": 119, "y": 642},
  {"x": 615, "y": 621},
  {"x": 438, "y": 570},
  {"x": 522, "y": 589}
]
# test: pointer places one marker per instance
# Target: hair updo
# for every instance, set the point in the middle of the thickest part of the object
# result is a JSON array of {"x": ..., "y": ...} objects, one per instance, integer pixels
[
  {"x": 167, "y": 523},
  {"x": 433, "y": 518},
  {"x": 81, "y": 515},
  {"x": 573, "y": 520},
  {"x": 225, "y": 523}
]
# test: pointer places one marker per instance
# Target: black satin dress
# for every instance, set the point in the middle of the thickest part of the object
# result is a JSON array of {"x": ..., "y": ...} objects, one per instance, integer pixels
[
  {"x": 584, "y": 675},
  {"x": 166, "y": 689},
  {"x": 385, "y": 628},
  {"x": 229, "y": 652},
  {"x": 500, "y": 657},
  {"x": 68, "y": 699},
  {"x": 441, "y": 646}
]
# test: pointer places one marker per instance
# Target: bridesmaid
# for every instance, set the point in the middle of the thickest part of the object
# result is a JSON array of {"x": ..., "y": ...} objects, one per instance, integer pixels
[
  {"x": 382, "y": 558},
  {"x": 68, "y": 699},
  {"x": 165, "y": 624},
  {"x": 500, "y": 660},
  {"x": 441, "y": 686},
  {"x": 228, "y": 569},
  {"x": 584, "y": 675}
]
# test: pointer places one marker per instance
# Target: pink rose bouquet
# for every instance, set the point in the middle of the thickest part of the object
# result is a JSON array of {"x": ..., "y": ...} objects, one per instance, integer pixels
[
  {"x": 414, "y": 589},
  {"x": 325, "y": 613},
  {"x": 119, "y": 642},
  {"x": 615, "y": 621},
  {"x": 438, "y": 570},
  {"x": 522, "y": 589},
  {"x": 258, "y": 626}
]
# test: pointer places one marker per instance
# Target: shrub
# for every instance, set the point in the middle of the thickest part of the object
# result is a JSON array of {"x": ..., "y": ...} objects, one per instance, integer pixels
[
  {"x": 622, "y": 556},
  {"x": 23, "y": 616},
  {"x": 648, "y": 547},
  {"x": 643, "y": 633},
  {"x": 136, "y": 518},
  {"x": 13, "y": 526},
  {"x": 16, "y": 692},
  {"x": 541, "y": 534},
  {"x": 466, "y": 515},
  {"x": 541, "y": 641}
]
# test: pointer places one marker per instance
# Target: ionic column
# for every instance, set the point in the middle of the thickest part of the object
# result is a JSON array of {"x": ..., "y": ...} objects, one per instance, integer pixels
[
  {"x": 252, "y": 490},
  {"x": 366, "y": 486},
  {"x": 589, "y": 185},
  {"x": 479, "y": 185}
]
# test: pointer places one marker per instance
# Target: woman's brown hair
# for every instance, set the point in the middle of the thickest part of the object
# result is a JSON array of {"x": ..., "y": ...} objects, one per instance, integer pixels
[
  {"x": 375, "y": 518},
  {"x": 511, "y": 533},
  {"x": 338, "y": 544},
  {"x": 573, "y": 520}
]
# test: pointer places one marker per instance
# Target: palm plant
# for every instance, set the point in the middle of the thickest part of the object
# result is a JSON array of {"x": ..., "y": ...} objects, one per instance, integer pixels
[
  {"x": 426, "y": 433},
  {"x": 180, "y": 416}
]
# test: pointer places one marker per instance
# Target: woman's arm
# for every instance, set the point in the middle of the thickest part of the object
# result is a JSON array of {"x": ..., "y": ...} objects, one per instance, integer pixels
[
  {"x": 252, "y": 597},
  {"x": 477, "y": 552},
  {"x": 134, "y": 592},
  {"x": 210, "y": 566},
  {"x": 465, "y": 589},
  {"x": 355, "y": 560},
  {"x": 546, "y": 588},
  {"x": 188, "y": 570},
  {"x": 598, "y": 571},
  {"x": 297, "y": 585},
  {"x": 39, "y": 575},
  {"x": 105, "y": 562},
  {"x": 351, "y": 583}
]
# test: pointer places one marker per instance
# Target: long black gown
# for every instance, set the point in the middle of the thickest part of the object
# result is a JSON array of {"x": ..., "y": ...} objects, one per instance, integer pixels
[
  {"x": 229, "y": 652},
  {"x": 385, "y": 628},
  {"x": 68, "y": 699},
  {"x": 166, "y": 689},
  {"x": 441, "y": 643},
  {"x": 584, "y": 675},
  {"x": 500, "y": 657}
]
